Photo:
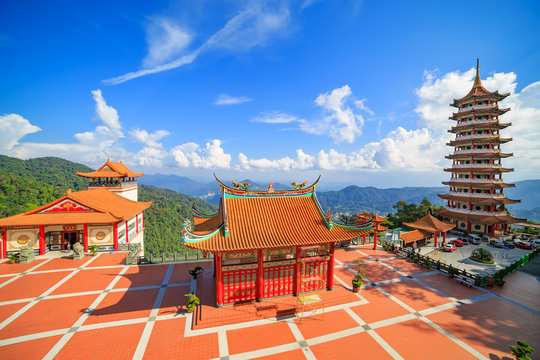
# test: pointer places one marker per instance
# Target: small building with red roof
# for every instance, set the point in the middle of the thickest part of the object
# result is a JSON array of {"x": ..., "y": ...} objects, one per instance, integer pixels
[{"x": 107, "y": 216}]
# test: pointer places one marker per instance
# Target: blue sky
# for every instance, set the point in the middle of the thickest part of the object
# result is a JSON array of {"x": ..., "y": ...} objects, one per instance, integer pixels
[{"x": 357, "y": 91}]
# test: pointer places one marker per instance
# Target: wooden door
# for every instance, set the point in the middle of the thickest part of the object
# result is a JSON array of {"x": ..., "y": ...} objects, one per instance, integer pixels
[{"x": 278, "y": 281}]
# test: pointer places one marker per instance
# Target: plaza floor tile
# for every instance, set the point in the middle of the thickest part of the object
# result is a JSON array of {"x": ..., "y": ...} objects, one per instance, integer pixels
[
  {"x": 8, "y": 310},
  {"x": 167, "y": 342},
  {"x": 4, "y": 279},
  {"x": 357, "y": 346},
  {"x": 116, "y": 343},
  {"x": 180, "y": 272},
  {"x": 414, "y": 339},
  {"x": 29, "y": 286},
  {"x": 522, "y": 288},
  {"x": 378, "y": 253},
  {"x": 7, "y": 268},
  {"x": 297, "y": 354},
  {"x": 450, "y": 286},
  {"x": 380, "y": 307},
  {"x": 259, "y": 337},
  {"x": 376, "y": 272},
  {"x": 324, "y": 324},
  {"x": 407, "y": 267},
  {"x": 344, "y": 274},
  {"x": 490, "y": 326},
  {"x": 348, "y": 255},
  {"x": 109, "y": 259},
  {"x": 142, "y": 276},
  {"x": 174, "y": 301},
  {"x": 48, "y": 315},
  {"x": 415, "y": 295},
  {"x": 123, "y": 305},
  {"x": 30, "y": 349},
  {"x": 66, "y": 262},
  {"x": 88, "y": 280}
]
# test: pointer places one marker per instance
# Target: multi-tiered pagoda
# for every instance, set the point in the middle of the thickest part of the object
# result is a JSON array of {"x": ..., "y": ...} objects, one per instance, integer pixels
[{"x": 476, "y": 200}]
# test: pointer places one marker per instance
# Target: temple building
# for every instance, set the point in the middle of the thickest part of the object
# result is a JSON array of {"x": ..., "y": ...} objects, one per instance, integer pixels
[
  {"x": 476, "y": 200},
  {"x": 425, "y": 228},
  {"x": 106, "y": 215},
  {"x": 259, "y": 238}
]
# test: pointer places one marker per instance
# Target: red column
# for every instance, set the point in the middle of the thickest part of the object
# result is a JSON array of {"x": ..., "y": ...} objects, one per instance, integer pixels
[
  {"x": 375, "y": 238},
  {"x": 219, "y": 280},
  {"x": 435, "y": 239},
  {"x": 493, "y": 230},
  {"x": 260, "y": 281},
  {"x": 4, "y": 244},
  {"x": 364, "y": 239},
  {"x": 444, "y": 237},
  {"x": 41, "y": 240},
  {"x": 143, "y": 220},
  {"x": 468, "y": 226},
  {"x": 85, "y": 237},
  {"x": 296, "y": 271},
  {"x": 115, "y": 236},
  {"x": 330, "y": 273},
  {"x": 127, "y": 234}
]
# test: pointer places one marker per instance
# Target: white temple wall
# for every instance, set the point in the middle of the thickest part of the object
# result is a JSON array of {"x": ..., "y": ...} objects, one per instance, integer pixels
[
  {"x": 100, "y": 235},
  {"x": 19, "y": 237}
]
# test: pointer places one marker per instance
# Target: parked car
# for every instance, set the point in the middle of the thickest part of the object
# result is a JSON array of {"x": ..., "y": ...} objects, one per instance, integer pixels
[
  {"x": 508, "y": 244},
  {"x": 485, "y": 237},
  {"x": 464, "y": 240},
  {"x": 523, "y": 244},
  {"x": 449, "y": 247},
  {"x": 475, "y": 241},
  {"x": 457, "y": 242},
  {"x": 496, "y": 243},
  {"x": 535, "y": 242}
]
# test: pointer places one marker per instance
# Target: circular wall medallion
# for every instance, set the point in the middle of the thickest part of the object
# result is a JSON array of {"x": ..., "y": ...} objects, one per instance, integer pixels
[
  {"x": 23, "y": 239},
  {"x": 100, "y": 235}
]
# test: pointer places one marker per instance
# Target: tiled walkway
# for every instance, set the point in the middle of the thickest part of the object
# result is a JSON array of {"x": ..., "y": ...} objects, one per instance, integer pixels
[{"x": 98, "y": 308}]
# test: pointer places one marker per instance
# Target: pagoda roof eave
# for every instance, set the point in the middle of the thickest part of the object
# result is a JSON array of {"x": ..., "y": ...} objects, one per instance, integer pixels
[
  {"x": 489, "y": 154},
  {"x": 493, "y": 110},
  {"x": 482, "y": 219},
  {"x": 478, "y": 170},
  {"x": 483, "y": 93},
  {"x": 478, "y": 200},
  {"x": 493, "y": 124},
  {"x": 485, "y": 185}
]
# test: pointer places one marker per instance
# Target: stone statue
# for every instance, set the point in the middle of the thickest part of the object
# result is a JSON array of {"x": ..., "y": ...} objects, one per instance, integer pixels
[
  {"x": 26, "y": 255},
  {"x": 78, "y": 251}
]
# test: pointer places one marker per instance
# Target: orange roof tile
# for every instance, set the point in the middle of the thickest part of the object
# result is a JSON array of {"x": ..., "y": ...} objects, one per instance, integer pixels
[
  {"x": 261, "y": 222},
  {"x": 111, "y": 170},
  {"x": 414, "y": 235},
  {"x": 95, "y": 206},
  {"x": 431, "y": 224},
  {"x": 482, "y": 219}
]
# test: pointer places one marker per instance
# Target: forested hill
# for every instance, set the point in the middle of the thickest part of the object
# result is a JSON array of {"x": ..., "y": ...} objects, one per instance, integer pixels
[{"x": 26, "y": 184}]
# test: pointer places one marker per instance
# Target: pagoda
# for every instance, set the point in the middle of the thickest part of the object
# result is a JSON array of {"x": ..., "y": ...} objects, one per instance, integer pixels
[{"x": 476, "y": 200}]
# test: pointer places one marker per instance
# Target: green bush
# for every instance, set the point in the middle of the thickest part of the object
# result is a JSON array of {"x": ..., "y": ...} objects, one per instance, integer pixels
[
  {"x": 522, "y": 351},
  {"x": 482, "y": 255}
]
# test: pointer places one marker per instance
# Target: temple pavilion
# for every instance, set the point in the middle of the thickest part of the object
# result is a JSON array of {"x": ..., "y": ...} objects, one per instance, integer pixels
[
  {"x": 259, "y": 239},
  {"x": 476, "y": 200},
  {"x": 425, "y": 228},
  {"x": 106, "y": 215}
]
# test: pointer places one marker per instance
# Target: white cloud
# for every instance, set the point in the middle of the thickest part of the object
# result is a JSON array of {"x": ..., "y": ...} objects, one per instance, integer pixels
[
  {"x": 153, "y": 153},
  {"x": 253, "y": 26},
  {"x": 303, "y": 161},
  {"x": 225, "y": 99},
  {"x": 165, "y": 39},
  {"x": 14, "y": 127},
  {"x": 360, "y": 104},
  {"x": 277, "y": 117},
  {"x": 149, "y": 139},
  {"x": 107, "y": 114},
  {"x": 192, "y": 155}
]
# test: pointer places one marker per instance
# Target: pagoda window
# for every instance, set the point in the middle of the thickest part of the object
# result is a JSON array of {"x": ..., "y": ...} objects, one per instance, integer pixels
[
  {"x": 464, "y": 206},
  {"x": 465, "y": 190},
  {"x": 477, "y": 227},
  {"x": 478, "y": 191},
  {"x": 462, "y": 225}
]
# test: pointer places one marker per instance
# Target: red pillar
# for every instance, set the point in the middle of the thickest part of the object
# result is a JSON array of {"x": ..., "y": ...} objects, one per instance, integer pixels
[
  {"x": 143, "y": 220},
  {"x": 260, "y": 281},
  {"x": 41, "y": 240},
  {"x": 468, "y": 226},
  {"x": 219, "y": 280},
  {"x": 85, "y": 237},
  {"x": 364, "y": 239},
  {"x": 444, "y": 237},
  {"x": 435, "y": 239},
  {"x": 330, "y": 279},
  {"x": 375, "y": 239},
  {"x": 493, "y": 230},
  {"x": 296, "y": 271},
  {"x": 127, "y": 234},
  {"x": 4, "y": 244},
  {"x": 115, "y": 236}
]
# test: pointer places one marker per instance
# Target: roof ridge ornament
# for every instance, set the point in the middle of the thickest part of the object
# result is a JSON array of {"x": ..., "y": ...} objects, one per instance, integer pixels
[
  {"x": 298, "y": 186},
  {"x": 241, "y": 186},
  {"x": 477, "y": 81}
]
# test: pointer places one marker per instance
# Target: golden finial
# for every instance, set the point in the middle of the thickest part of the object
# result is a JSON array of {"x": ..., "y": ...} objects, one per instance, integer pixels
[
  {"x": 477, "y": 81},
  {"x": 68, "y": 192}
]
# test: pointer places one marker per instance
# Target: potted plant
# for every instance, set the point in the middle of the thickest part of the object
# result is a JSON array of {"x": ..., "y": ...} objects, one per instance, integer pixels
[
  {"x": 522, "y": 351},
  {"x": 193, "y": 301},
  {"x": 93, "y": 249},
  {"x": 490, "y": 281},
  {"x": 13, "y": 257},
  {"x": 359, "y": 269}
]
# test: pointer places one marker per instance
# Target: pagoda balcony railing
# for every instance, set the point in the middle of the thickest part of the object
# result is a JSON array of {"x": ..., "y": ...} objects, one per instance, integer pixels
[
  {"x": 476, "y": 195},
  {"x": 476, "y": 212},
  {"x": 112, "y": 183},
  {"x": 476, "y": 122},
  {"x": 476, "y": 151},
  {"x": 494, "y": 181},
  {"x": 461, "y": 166},
  {"x": 477, "y": 107},
  {"x": 475, "y": 136}
]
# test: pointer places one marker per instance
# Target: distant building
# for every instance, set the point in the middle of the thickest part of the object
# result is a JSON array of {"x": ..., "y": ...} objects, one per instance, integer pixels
[
  {"x": 106, "y": 215},
  {"x": 476, "y": 200}
]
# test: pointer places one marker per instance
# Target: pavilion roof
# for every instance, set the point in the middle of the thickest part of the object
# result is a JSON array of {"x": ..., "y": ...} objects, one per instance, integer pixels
[
  {"x": 95, "y": 206},
  {"x": 431, "y": 224},
  {"x": 414, "y": 235},
  {"x": 260, "y": 220},
  {"x": 111, "y": 170}
]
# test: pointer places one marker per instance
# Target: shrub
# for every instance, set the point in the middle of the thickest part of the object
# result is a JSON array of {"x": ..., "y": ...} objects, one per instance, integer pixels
[
  {"x": 482, "y": 255},
  {"x": 192, "y": 302},
  {"x": 522, "y": 351},
  {"x": 359, "y": 269}
]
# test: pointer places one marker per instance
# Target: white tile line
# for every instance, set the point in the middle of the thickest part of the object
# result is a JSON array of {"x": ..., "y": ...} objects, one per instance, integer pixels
[
  {"x": 145, "y": 336},
  {"x": 18, "y": 275},
  {"x": 67, "y": 336},
  {"x": 25, "y": 338},
  {"x": 393, "y": 353},
  {"x": 222, "y": 342},
  {"x": 256, "y": 354}
]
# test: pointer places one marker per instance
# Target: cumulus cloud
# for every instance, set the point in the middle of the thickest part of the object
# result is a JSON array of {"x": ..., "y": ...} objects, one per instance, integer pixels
[
  {"x": 165, "y": 39},
  {"x": 192, "y": 155},
  {"x": 302, "y": 161},
  {"x": 277, "y": 117},
  {"x": 153, "y": 153},
  {"x": 255, "y": 25},
  {"x": 225, "y": 99},
  {"x": 13, "y": 128}
]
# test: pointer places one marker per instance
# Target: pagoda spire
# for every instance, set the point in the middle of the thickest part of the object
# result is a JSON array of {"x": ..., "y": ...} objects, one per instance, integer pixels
[{"x": 477, "y": 81}]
